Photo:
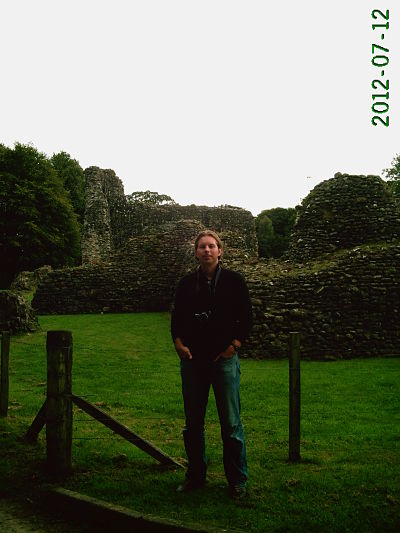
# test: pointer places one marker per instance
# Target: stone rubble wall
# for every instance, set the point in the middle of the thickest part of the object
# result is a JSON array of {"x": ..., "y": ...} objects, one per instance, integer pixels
[
  {"x": 348, "y": 306},
  {"x": 27, "y": 281},
  {"x": 343, "y": 212},
  {"x": 339, "y": 285},
  {"x": 105, "y": 205},
  {"x": 16, "y": 314},
  {"x": 110, "y": 220},
  {"x": 220, "y": 219},
  {"x": 142, "y": 276}
]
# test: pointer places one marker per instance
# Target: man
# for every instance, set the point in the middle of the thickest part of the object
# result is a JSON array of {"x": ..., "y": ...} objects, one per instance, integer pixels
[{"x": 211, "y": 318}]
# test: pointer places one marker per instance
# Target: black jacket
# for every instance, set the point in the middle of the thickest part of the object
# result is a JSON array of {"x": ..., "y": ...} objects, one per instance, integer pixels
[{"x": 207, "y": 316}]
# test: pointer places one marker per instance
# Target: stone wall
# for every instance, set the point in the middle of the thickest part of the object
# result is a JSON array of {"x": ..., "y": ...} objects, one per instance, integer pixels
[
  {"x": 220, "y": 219},
  {"x": 27, "y": 281},
  {"x": 339, "y": 285},
  {"x": 343, "y": 212},
  {"x": 16, "y": 313},
  {"x": 141, "y": 276},
  {"x": 105, "y": 206},
  {"x": 110, "y": 220},
  {"x": 347, "y": 306}
]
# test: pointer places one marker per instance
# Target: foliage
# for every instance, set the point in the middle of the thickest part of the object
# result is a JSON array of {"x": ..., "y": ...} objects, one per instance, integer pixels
[
  {"x": 149, "y": 198},
  {"x": 273, "y": 227},
  {"x": 73, "y": 179},
  {"x": 228, "y": 206},
  {"x": 265, "y": 234},
  {"x": 37, "y": 223},
  {"x": 393, "y": 175},
  {"x": 348, "y": 479}
]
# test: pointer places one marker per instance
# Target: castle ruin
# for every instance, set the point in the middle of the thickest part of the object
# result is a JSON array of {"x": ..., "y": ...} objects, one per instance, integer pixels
[{"x": 339, "y": 284}]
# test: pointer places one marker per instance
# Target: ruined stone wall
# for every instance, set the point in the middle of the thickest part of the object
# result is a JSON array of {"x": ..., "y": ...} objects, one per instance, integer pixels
[
  {"x": 348, "y": 306},
  {"x": 27, "y": 281},
  {"x": 342, "y": 212},
  {"x": 16, "y": 313},
  {"x": 105, "y": 215},
  {"x": 219, "y": 219},
  {"x": 110, "y": 220},
  {"x": 141, "y": 276},
  {"x": 345, "y": 303}
]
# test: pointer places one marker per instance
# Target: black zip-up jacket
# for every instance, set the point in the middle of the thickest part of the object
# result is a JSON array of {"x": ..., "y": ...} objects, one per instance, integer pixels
[{"x": 207, "y": 316}]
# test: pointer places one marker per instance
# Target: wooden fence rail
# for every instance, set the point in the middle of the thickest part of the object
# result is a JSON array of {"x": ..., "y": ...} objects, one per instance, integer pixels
[
  {"x": 58, "y": 402},
  {"x": 294, "y": 397},
  {"x": 56, "y": 412},
  {"x": 124, "y": 432}
]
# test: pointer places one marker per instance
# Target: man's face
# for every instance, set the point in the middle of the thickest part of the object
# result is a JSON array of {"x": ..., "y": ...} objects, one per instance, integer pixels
[{"x": 208, "y": 252}]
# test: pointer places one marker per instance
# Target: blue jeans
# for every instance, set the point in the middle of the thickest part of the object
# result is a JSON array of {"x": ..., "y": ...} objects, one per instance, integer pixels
[{"x": 224, "y": 376}]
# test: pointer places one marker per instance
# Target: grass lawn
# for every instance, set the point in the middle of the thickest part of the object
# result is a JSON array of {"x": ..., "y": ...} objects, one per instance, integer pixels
[{"x": 349, "y": 476}]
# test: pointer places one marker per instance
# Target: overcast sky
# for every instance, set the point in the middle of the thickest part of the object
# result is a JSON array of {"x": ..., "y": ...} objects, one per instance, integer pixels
[{"x": 247, "y": 103}]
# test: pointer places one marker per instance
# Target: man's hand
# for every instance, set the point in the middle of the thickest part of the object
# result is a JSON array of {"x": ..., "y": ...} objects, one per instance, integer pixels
[
  {"x": 229, "y": 352},
  {"x": 182, "y": 350}
]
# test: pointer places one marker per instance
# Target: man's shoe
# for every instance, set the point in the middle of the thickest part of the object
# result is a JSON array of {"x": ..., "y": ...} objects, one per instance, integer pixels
[
  {"x": 189, "y": 485},
  {"x": 238, "y": 492}
]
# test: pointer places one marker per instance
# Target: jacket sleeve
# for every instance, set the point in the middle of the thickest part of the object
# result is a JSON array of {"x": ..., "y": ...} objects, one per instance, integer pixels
[
  {"x": 244, "y": 321},
  {"x": 178, "y": 312}
]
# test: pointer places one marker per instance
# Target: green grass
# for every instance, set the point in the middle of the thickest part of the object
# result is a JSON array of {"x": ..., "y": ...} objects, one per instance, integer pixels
[{"x": 349, "y": 476}]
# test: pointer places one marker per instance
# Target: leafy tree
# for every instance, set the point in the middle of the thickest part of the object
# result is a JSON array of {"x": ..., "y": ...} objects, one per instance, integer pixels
[
  {"x": 37, "y": 223},
  {"x": 273, "y": 228},
  {"x": 265, "y": 234},
  {"x": 73, "y": 179},
  {"x": 393, "y": 175},
  {"x": 150, "y": 198}
]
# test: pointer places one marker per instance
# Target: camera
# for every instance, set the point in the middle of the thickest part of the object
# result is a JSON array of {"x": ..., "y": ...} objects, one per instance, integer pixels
[{"x": 202, "y": 317}]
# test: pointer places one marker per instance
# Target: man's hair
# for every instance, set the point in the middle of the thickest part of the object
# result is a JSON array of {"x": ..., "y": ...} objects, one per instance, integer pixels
[{"x": 208, "y": 233}]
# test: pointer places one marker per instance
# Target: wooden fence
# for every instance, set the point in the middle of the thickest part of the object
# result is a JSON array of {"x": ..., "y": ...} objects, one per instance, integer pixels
[
  {"x": 294, "y": 397},
  {"x": 57, "y": 413}
]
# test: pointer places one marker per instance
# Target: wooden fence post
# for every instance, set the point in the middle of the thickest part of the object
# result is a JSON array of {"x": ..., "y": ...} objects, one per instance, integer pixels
[
  {"x": 294, "y": 397},
  {"x": 4, "y": 383},
  {"x": 59, "y": 402}
]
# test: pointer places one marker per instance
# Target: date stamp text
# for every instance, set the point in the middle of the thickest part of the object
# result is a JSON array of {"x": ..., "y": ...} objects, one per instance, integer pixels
[{"x": 380, "y": 60}]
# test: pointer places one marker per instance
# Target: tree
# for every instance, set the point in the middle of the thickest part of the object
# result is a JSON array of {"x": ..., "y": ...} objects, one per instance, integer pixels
[
  {"x": 37, "y": 222},
  {"x": 265, "y": 234},
  {"x": 150, "y": 198},
  {"x": 393, "y": 175},
  {"x": 73, "y": 179},
  {"x": 273, "y": 228}
]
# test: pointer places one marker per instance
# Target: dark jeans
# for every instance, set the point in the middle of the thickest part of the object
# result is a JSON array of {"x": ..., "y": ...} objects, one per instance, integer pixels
[{"x": 224, "y": 376}]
